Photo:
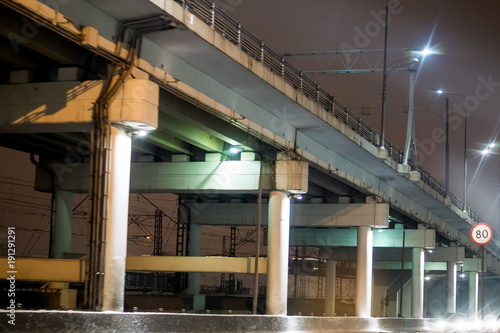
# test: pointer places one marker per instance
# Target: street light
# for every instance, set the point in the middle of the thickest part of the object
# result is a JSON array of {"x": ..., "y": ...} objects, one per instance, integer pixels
[
  {"x": 411, "y": 60},
  {"x": 423, "y": 53},
  {"x": 426, "y": 51},
  {"x": 235, "y": 150},
  {"x": 447, "y": 172},
  {"x": 484, "y": 152}
]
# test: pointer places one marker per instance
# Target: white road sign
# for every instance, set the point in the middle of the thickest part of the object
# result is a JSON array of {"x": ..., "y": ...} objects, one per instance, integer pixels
[{"x": 481, "y": 233}]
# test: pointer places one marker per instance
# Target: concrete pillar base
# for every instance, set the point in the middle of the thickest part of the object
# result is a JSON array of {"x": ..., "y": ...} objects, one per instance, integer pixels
[
  {"x": 451, "y": 287},
  {"x": 473, "y": 294},
  {"x": 66, "y": 297},
  {"x": 277, "y": 253},
  {"x": 330, "y": 274},
  {"x": 199, "y": 302},
  {"x": 117, "y": 222},
  {"x": 364, "y": 272},
  {"x": 417, "y": 283},
  {"x": 61, "y": 228}
]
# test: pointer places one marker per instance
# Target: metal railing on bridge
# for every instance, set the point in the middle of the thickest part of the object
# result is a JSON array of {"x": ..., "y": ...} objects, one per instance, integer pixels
[{"x": 234, "y": 32}]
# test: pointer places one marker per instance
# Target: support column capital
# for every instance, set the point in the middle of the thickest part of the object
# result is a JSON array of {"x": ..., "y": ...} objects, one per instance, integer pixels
[{"x": 292, "y": 176}]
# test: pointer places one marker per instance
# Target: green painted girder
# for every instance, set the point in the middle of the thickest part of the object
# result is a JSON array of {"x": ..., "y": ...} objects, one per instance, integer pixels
[
  {"x": 169, "y": 142},
  {"x": 21, "y": 31},
  {"x": 189, "y": 133},
  {"x": 199, "y": 118}
]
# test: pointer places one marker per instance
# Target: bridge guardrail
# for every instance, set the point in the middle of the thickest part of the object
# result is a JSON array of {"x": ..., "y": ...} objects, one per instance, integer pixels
[{"x": 234, "y": 32}]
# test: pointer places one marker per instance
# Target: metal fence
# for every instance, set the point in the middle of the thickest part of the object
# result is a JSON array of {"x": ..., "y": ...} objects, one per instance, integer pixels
[{"x": 234, "y": 32}]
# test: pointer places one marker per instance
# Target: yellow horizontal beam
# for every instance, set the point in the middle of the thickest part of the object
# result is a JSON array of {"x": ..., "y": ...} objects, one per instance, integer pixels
[
  {"x": 54, "y": 270},
  {"x": 196, "y": 264},
  {"x": 73, "y": 270}
]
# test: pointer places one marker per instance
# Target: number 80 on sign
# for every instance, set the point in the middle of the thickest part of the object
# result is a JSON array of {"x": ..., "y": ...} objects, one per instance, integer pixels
[{"x": 481, "y": 234}]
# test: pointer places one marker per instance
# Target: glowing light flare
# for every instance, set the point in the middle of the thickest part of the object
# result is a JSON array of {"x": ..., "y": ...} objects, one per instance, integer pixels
[
  {"x": 142, "y": 133},
  {"x": 235, "y": 150},
  {"x": 427, "y": 51},
  {"x": 489, "y": 324},
  {"x": 487, "y": 150}
]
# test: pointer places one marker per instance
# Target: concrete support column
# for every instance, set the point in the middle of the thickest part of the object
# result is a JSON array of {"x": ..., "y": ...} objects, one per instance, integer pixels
[
  {"x": 277, "y": 253},
  {"x": 451, "y": 287},
  {"x": 473, "y": 294},
  {"x": 331, "y": 271},
  {"x": 417, "y": 283},
  {"x": 117, "y": 222},
  {"x": 364, "y": 272},
  {"x": 61, "y": 228},
  {"x": 194, "y": 250}
]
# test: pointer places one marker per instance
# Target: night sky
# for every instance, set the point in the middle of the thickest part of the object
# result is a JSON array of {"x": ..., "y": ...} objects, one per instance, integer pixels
[{"x": 466, "y": 37}]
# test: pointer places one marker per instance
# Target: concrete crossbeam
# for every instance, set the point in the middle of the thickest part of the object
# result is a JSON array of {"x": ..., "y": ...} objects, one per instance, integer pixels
[
  {"x": 54, "y": 270},
  {"x": 448, "y": 254},
  {"x": 73, "y": 270},
  {"x": 396, "y": 265},
  {"x": 348, "y": 237},
  {"x": 235, "y": 176},
  {"x": 472, "y": 264},
  {"x": 196, "y": 264},
  {"x": 492, "y": 264},
  {"x": 302, "y": 214}
]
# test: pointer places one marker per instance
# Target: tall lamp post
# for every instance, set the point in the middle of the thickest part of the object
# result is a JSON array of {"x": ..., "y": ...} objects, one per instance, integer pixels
[
  {"x": 485, "y": 151},
  {"x": 411, "y": 60},
  {"x": 447, "y": 172},
  {"x": 384, "y": 80}
]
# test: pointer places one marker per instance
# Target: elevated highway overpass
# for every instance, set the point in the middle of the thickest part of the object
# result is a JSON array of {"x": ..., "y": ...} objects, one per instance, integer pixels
[{"x": 201, "y": 84}]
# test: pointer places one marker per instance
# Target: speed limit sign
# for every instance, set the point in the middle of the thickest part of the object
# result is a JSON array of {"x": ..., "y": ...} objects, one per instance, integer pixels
[{"x": 481, "y": 234}]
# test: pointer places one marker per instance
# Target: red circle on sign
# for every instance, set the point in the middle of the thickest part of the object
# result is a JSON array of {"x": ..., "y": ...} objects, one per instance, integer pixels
[{"x": 481, "y": 234}]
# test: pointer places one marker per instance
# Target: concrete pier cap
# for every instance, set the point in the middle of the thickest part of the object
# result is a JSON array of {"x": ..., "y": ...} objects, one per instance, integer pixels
[{"x": 67, "y": 106}]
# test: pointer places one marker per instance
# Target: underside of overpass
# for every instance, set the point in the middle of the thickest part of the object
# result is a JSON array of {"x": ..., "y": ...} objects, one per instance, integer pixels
[{"x": 208, "y": 103}]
